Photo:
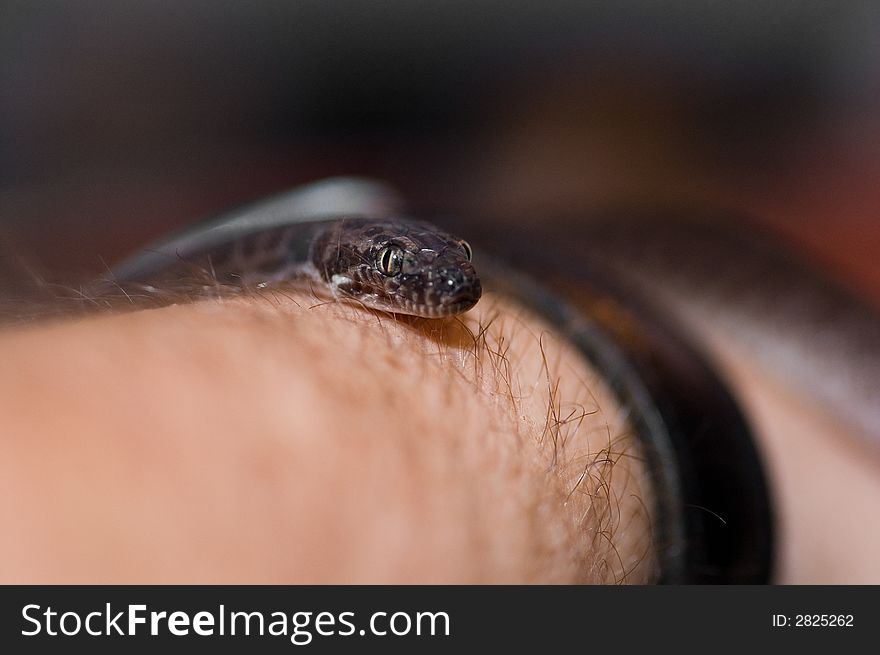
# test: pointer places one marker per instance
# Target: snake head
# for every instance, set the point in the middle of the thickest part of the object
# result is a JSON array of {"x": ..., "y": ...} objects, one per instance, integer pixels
[{"x": 399, "y": 266}]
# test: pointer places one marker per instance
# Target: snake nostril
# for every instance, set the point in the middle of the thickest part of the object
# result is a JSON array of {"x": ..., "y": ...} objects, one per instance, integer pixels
[{"x": 454, "y": 285}]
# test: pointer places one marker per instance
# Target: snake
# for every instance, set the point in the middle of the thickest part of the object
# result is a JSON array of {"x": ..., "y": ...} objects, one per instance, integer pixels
[{"x": 388, "y": 263}]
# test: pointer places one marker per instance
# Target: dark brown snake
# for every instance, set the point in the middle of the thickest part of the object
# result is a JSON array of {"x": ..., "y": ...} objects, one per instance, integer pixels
[{"x": 393, "y": 265}]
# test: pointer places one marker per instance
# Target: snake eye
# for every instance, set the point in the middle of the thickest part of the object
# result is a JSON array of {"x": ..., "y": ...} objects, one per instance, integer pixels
[
  {"x": 468, "y": 251},
  {"x": 389, "y": 260}
]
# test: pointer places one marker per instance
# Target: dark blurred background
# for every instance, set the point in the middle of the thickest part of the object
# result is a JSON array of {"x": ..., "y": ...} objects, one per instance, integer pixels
[{"x": 121, "y": 120}]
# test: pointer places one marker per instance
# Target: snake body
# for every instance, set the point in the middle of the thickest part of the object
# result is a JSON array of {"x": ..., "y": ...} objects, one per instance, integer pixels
[{"x": 393, "y": 265}]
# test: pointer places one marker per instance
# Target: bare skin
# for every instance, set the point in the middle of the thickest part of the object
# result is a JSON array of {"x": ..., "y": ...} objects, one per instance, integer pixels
[
  {"x": 269, "y": 439},
  {"x": 253, "y": 440}
]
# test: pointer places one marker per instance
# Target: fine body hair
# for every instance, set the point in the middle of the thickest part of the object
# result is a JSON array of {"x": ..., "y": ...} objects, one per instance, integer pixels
[{"x": 513, "y": 406}]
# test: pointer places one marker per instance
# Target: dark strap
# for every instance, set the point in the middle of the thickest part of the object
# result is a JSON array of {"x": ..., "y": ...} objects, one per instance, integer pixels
[{"x": 713, "y": 518}]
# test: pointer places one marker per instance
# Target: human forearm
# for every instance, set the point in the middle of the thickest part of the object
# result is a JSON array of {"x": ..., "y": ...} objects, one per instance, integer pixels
[{"x": 268, "y": 440}]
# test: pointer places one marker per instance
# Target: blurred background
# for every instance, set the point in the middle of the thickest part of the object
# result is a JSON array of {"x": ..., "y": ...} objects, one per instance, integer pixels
[{"x": 120, "y": 121}]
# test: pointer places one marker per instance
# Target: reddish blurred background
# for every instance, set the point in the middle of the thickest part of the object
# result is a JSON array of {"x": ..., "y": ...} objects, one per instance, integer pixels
[{"x": 119, "y": 121}]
